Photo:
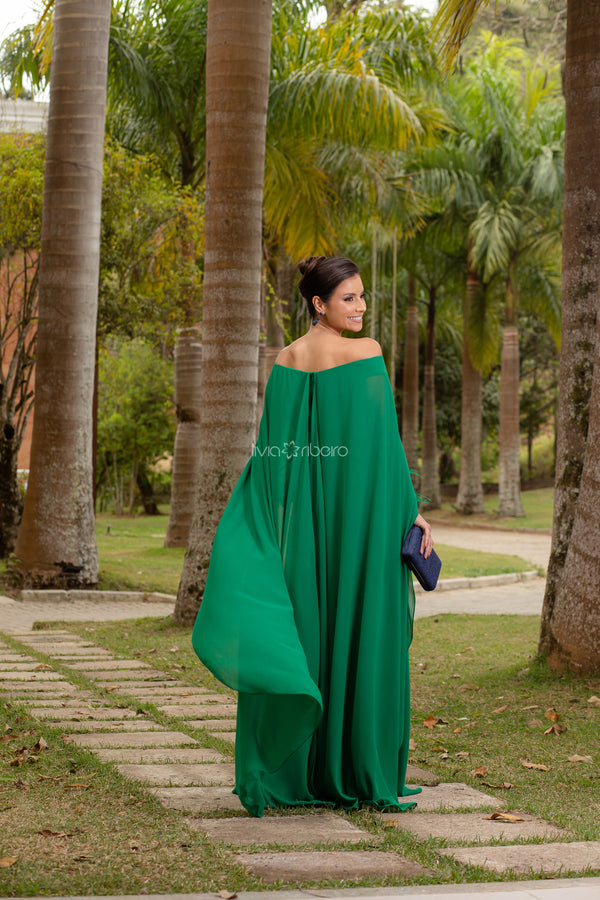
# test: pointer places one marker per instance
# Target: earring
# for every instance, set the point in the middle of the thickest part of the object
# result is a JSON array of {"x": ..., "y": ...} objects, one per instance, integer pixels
[{"x": 317, "y": 319}]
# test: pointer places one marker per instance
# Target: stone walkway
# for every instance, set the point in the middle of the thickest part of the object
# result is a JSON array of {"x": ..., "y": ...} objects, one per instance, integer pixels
[{"x": 196, "y": 777}]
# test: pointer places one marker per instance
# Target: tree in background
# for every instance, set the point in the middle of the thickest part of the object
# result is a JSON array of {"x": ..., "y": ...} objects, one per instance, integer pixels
[
  {"x": 21, "y": 183},
  {"x": 135, "y": 420},
  {"x": 237, "y": 90},
  {"x": 57, "y": 543}
]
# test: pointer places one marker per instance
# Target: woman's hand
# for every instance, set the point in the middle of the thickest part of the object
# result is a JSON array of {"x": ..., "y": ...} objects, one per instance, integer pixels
[{"x": 427, "y": 540}]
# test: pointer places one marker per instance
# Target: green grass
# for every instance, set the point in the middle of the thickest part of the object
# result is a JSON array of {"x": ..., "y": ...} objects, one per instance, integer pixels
[
  {"x": 477, "y": 676},
  {"x": 132, "y": 556},
  {"x": 538, "y": 505}
]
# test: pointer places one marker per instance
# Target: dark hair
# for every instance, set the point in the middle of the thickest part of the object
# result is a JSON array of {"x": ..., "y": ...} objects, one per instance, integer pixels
[{"x": 321, "y": 275}]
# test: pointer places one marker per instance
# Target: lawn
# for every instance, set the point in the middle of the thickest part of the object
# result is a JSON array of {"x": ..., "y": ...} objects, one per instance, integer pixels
[
  {"x": 538, "y": 506},
  {"x": 132, "y": 556},
  {"x": 484, "y": 712}
]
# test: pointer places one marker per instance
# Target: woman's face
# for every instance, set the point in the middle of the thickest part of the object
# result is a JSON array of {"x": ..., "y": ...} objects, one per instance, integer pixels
[{"x": 346, "y": 306}]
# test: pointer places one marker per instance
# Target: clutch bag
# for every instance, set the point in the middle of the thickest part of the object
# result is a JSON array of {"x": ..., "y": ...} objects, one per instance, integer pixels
[{"x": 426, "y": 570}]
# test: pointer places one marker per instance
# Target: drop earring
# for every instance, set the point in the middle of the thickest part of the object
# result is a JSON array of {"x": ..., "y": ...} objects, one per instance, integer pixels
[{"x": 317, "y": 319}]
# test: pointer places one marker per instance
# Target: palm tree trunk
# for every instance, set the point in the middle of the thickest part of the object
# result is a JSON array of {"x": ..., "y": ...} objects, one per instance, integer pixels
[
  {"x": 576, "y": 451},
  {"x": 509, "y": 478},
  {"x": 430, "y": 484},
  {"x": 410, "y": 381},
  {"x": 470, "y": 492},
  {"x": 57, "y": 543},
  {"x": 394, "y": 324},
  {"x": 575, "y": 623},
  {"x": 186, "y": 457},
  {"x": 237, "y": 86}
]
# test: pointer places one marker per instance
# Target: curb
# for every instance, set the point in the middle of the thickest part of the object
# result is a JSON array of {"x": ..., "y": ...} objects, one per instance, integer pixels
[
  {"x": 56, "y": 596},
  {"x": 455, "y": 584}
]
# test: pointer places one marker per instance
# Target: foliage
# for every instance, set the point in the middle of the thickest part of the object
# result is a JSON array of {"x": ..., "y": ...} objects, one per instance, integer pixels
[
  {"x": 143, "y": 275},
  {"x": 21, "y": 186},
  {"x": 135, "y": 421}
]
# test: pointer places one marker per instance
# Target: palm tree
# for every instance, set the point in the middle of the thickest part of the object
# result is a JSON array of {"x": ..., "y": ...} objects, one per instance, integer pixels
[
  {"x": 57, "y": 543},
  {"x": 237, "y": 88},
  {"x": 570, "y": 623}
]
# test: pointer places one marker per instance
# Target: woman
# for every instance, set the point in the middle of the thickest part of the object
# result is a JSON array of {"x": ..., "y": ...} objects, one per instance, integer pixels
[{"x": 308, "y": 608}]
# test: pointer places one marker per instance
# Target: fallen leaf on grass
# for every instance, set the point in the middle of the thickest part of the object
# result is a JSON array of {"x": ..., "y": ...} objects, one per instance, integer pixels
[
  {"x": 505, "y": 817},
  {"x": 463, "y": 688},
  {"x": 540, "y": 766},
  {"x": 501, "y": 709},
  {"x": 112, "y": 687},
  {"x": 480, "y": 772},
  {"x": 462, "y": 754},
  {"x": 594, "y": 701},
  {"x": 535, "y": 706},
  {"x": 412, "y": 745},
  {"x": 43, "y": 666},
  {"x": 7, "y": 738},
  {"x": 7, "y": 861},
  {"x": 45, "y": 832},
  {"x": 456, "y": 730},
  {"x": 577, "y": 758},
  {"x": 41, "y": 745},
  {"x": 49, "y": 777},
  {"x": 552, "y": 715},
  {"x": 555, "y": 729},
  {"x": 77, "y": 785},
  {"x": 429, "y": 722},
  {"x": 505, "y": 786}
]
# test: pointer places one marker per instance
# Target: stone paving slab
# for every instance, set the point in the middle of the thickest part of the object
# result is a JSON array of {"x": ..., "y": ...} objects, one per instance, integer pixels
[
  {"x": 287, "y": 830},
  {"x": 14, "y": 656},
  {"x": 123, "y": 676},
  {"x": 97, "y": 665},
  {"x": 130, "y": 739},
  {"x": 169, "y": 693},
  {"x": 78, "y": 713},
  {"x": 215, "y": 725},
  {"x": 228, "y": 736},
  {"x": 96, "y": 725},
  {"x": 177, "y": 774},
  {"x": 473, "y": 827},
  {"x": 80, "y": 654},
  {"x": 140, "y": 755},
  {"x": 415, "y": 775},
  {"x": 55, "y": 700},
  {"x": 133, "y": 685},
  {"x": 43, "y": 687},
  {"x": 200, "y": 711},
  {"x": 21, "y": 665},
  {"x": 42, "y": 675},
  {"x": 294, "y": 866},
  {"x": 525, "y": 858},
  {"x": 451, "y": 795},
  {"x": 197, "y": 799}
]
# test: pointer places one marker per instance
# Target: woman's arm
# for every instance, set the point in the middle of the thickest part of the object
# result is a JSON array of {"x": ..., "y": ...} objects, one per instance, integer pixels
[{"x": 427, "y": 540}]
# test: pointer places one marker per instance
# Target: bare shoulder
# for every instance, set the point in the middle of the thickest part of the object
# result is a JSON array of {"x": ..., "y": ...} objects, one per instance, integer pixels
[
  {"x": 364, "y": 348},
  {"x": 285, "y": 357}
]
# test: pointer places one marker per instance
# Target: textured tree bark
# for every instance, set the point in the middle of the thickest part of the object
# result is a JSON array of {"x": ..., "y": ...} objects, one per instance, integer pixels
[
  {"x": 509, "y": 477},
  {"x": 576, "y": 451},
  {"x": 410, "y": 385},
  {"x": 430, "y": 483},
  {"x": 57, "y": 543},
  {"x": 469, "y": 499},
  {"x": 186, "y": 455},
  {"x": 237, "y": 87}
]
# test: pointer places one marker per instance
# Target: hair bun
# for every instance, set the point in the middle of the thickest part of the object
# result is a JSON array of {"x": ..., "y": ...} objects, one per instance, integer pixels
[{"x": 308, "y": 264}]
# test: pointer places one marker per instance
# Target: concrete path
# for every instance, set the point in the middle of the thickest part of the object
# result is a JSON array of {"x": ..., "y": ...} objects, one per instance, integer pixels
[{"x": 531, "y": 546}]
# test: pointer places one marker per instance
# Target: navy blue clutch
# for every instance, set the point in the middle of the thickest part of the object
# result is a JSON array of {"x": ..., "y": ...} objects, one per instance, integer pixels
[{"x": 426, "y": 570}]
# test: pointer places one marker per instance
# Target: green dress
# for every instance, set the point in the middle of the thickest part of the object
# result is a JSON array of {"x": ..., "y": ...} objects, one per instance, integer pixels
[{"x": 308, "y": 609}]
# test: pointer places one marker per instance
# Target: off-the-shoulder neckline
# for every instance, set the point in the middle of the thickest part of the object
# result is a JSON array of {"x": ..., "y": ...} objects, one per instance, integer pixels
[{"x": 329, "y": 368}]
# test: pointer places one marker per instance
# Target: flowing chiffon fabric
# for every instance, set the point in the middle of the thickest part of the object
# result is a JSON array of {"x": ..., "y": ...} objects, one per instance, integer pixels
[{"x": 308, "y": 609}]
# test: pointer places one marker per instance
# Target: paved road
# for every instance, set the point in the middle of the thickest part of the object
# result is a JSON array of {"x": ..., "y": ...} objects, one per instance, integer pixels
[{"x": 532, "y": 547}]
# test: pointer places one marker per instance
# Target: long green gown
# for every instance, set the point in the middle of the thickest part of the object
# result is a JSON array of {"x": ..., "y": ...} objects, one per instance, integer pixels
[{"x": 308, "y": 608}]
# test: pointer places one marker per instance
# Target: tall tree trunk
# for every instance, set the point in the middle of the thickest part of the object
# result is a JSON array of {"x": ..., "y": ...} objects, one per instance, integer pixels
[
  {"x": 509, "y": 478},
  {"x": 470, "y": 492},
  {"x": 394, "y": 323},
  {"x": 410, "y": 381},
  {"x": 430, "y": 483},
  {"x": 576, "y": 612},
  {"x": 581, "y": 285},
  {"x": 186, "y": 459},
  {"x": 237, "y": 87},
  {"x": 57, "y": 543}
]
